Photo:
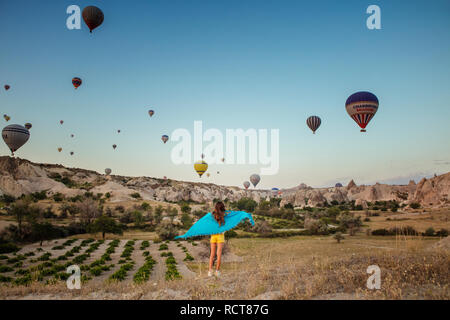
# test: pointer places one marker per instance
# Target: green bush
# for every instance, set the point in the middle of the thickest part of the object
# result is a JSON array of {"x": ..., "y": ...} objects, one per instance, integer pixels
[
  {"x": 4, "y": 269},
  {"x": 429, "y": 232},
  {"x": 143, "y": 274},
  {"x": 8, "y": 247},
  {"x": 120, "y": 274}
]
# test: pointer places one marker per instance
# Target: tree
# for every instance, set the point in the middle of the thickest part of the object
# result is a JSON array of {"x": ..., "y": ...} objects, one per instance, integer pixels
[
  {"x": 166, "y": 231},
  {"x": 138, "y": 218},
  {"x": 186, "y": 220},
  {"x": 105, "y": 224},
  {"x": 246, "y": 204},
  {"x": 43, "y": 231},
  {"x": 429, "y": 232},
  {"x": 338, "y": 236},
  {"x": 20, "y": 210},
  {"x": 145, "y": 206},
  {"x": 67, "y": 208},
  {"x": 89, "y": 211},
  {"x": 185, "y": 208},
  {"x": 263, "y": 227}
]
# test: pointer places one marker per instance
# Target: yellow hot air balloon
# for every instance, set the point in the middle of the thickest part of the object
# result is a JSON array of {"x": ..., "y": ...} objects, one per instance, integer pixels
[{"x": 201, "y": 167}]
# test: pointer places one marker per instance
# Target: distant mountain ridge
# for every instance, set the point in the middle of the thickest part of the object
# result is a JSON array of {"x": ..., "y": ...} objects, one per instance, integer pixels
[{"x": 19, "y": 176}]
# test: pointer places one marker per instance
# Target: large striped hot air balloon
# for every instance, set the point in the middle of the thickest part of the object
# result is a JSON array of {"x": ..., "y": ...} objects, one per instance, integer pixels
[
  {"x": 313, "y": 123},
  {"x": 246, "y": 185},
  {"x": 93, "y": 17},
  {"x": 15, "y": 136},
  {"x": 362, "y": 106},
  {"x": 200, "y": 167},
  {"x": 76, "y": 82}
]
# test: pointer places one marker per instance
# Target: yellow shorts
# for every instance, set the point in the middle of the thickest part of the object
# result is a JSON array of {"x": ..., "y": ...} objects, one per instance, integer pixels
[{"x": 218, "y": 238}]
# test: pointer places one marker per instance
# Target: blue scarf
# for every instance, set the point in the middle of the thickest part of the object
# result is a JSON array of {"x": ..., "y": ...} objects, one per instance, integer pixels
[{"x": 207, "y": 225}]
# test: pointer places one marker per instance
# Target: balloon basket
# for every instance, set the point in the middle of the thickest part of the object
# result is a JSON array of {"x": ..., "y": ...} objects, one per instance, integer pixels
[{"x": 363, "y": 130}]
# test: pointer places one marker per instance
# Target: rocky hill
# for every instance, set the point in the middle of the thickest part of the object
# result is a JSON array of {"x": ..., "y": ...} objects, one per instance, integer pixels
[{"x": 18, "y": 176}]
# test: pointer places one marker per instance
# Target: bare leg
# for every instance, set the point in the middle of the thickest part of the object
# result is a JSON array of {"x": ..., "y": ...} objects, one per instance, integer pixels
[
  {"x": 219, "y": 255},
  {"x": 211, "y": 257}
]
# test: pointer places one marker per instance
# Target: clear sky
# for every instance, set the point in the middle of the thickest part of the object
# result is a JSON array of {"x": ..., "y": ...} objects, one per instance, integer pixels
[{"x": 232, "y": 64}]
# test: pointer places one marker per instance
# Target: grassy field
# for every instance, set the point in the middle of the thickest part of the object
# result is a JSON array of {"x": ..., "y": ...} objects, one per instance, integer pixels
[{"x": 291, "y": 268}]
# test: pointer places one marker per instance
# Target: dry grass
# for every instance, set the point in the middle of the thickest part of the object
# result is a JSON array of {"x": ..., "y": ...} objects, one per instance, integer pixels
[
  {"x": 295, "y": 268},
  {"x": 419, "y": 220}
]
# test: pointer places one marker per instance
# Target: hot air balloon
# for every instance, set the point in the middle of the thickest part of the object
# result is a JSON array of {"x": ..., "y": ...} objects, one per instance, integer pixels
[
  {"x": 218, "y": 172},
  {"x": 254, "y": 179},
  {"x": 246, "y": 185},
  {"x": 200, "y": 167},
  {"x": 61, "y": 121},
  {"x": 15, "y": 136},
  {"x": 208, "y": 174},
  {"x": 72, "y": 135},
  {"x": 118, "y": 131},
  {"x": 338, "y": 185},
  {"x": 76, "y": 82},
  {"x": 165, "y": 178},
  {"x": 151, "y": 113},
  {"x": 59, "y": 149},
  {"x": 114, "y": 146},
  {"x": 313, "y": 123},
  {"x": 71, "y": 153},
  {"x": 28, "y": 125},
  {"x": 165, "y": 138},
  {"x": 93, "y": 17},
  {"x": 7, "y": 87},
  {"x": 7, "y": 118},
  {"x": 361, "y": 107},
  {"x": 108, "y": 171},
  {"x": 223, "y": 159}
]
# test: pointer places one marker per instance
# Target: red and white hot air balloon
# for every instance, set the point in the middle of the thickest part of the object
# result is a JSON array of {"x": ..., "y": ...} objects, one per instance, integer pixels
[{"x": 361, "y": 107}]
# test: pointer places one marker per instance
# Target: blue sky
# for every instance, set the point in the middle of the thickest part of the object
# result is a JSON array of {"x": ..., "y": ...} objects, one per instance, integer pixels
[{"x": 232, "y": 64}]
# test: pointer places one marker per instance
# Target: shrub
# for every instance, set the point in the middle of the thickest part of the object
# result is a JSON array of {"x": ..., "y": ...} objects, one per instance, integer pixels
[
  {"x": 144, "y": 244},
  {"x": 188, "y": 257},
  {"x": 4, "y": 269},
  {"x": 143, "y": 274},
  {"x": 8, "y": 247},
  {"x": 338, "y": 236},
  {"x": 135, "y": 195},
  {"x": 415, "y": 205},
  {"x": 429, "y": 232},
  {"x": 120, "y": 274},
  {"x": 163, "y": 247}
]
